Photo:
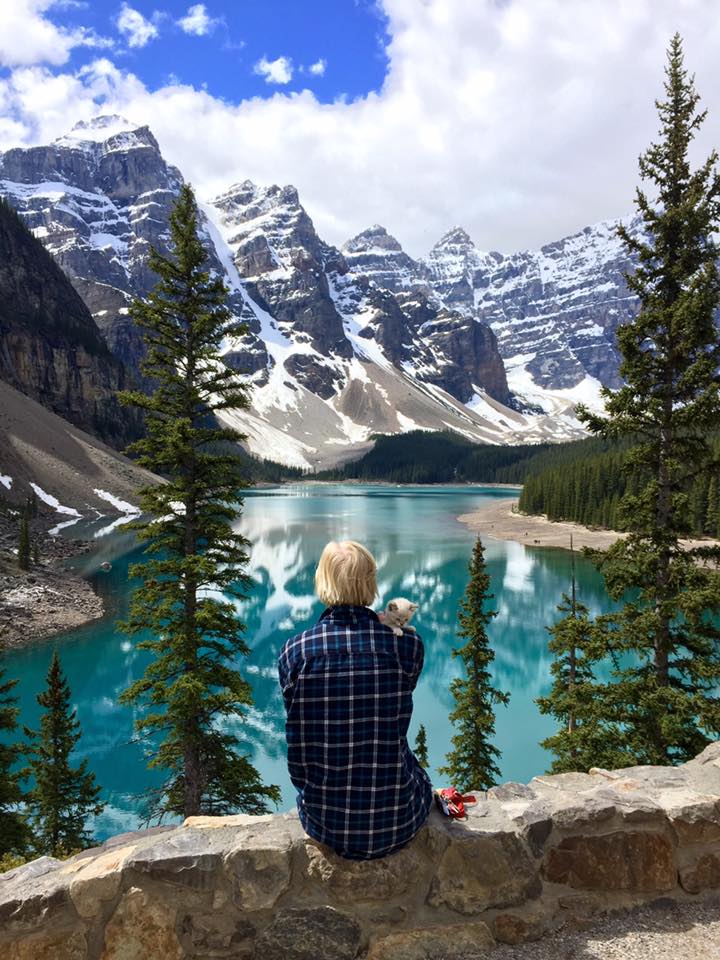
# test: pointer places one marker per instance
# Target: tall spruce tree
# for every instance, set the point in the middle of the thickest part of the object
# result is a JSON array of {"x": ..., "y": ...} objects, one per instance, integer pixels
[
  {"x": 62, "y": 796},
  {"x": 192, "y": 693},
  {"x": 662, "y": 704},
  {"x": 471, "y": 764},
  {"x": 421, "y": 750},
  {"x": 582, "y": 740},
  {"x": 14, "y": 829}
]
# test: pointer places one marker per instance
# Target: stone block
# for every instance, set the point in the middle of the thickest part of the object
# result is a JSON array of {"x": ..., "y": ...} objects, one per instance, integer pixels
[
  {"x": 64, "y": 945},
  {"x": 185, "y": 858},
  {"x": 633, "y": 861},
  {"x": 704, "y": 874},
  {"x": 519, "y": 928},
  {"x": 695, "y": 817},
  {"x": 96, "y": 880},
  {"x": 469, "y": 941},
  {"x": 35, "y": 895},
  {"x": 258, "y": 864},
  {"x": 351, "y": 881},
  {"x": 141, "y": 928},
  {"x": 477, "y": 872},
  {"x": 310, "y": 934}
]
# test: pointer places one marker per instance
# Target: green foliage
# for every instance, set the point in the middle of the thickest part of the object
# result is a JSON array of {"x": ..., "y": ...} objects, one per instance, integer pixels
[
  {"x": 14, "y": 831},
  {"x": 583, "y": 739},
  {"x": 664, "y": 643},
  {"x": 9, "y": 861},
  {"x": 471, "y": 764},
  {"x": 591, "y": 491},
  {"x": 423, "y": 456},
  {"x": 63, "y": 796},
  {"x": 421, "y": 751},
  {"x": 191, "y": 694}
]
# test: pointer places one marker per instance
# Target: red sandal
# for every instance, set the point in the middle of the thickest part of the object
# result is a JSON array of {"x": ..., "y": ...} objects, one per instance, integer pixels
[{"x": 452, "y": 802}]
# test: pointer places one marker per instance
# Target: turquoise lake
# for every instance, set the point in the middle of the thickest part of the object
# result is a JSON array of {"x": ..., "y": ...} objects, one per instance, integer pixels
[{"x": 422, "y": 553}]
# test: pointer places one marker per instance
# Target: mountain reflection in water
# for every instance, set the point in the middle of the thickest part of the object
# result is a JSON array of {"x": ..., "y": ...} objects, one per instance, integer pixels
[{"x": 422, "y": 553}]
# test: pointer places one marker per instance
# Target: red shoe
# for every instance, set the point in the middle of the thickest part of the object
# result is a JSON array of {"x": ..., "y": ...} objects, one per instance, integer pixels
[{"x": 452, "y": 802}]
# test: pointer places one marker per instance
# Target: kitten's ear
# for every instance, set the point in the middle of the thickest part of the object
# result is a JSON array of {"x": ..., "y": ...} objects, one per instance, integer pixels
[
  {"x": 392, "y": 606},
  {"x": 413, "y": 607}
]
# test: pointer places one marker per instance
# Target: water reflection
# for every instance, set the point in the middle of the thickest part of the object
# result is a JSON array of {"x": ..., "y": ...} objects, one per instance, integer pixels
[{"x": 422, "y": 552}]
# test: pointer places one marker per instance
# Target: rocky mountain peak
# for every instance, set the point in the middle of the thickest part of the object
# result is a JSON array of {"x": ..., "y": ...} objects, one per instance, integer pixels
[
  {"x": 456, "y": 237},
  {"x": 107, "y": 134},
  {"x": 374, "y": 238}
]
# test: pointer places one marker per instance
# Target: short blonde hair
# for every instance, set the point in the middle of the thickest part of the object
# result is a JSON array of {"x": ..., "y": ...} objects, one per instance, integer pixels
[{"x": 346, "y": 573}]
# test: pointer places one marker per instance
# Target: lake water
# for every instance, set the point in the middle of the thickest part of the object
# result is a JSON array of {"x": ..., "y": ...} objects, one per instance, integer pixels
[{"x": 422, "y": 553}]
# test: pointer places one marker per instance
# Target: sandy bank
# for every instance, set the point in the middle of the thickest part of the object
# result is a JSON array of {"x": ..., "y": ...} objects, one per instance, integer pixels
[{"x": 498, "y": 520}]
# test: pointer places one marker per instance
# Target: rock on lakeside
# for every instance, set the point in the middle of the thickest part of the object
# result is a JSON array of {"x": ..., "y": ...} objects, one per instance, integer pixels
[{"x": 529, "y": 860}]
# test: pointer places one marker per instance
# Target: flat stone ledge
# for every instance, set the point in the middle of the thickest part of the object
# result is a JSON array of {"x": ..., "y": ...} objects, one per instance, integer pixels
[{"x": 529, "y": 858}]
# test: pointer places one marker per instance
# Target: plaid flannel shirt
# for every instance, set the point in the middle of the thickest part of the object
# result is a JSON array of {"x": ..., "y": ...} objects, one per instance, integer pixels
[{"x": 347, "y": 684}]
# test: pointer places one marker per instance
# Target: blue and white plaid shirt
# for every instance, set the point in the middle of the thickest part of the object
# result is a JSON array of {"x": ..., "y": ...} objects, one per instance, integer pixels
[{"x": 347, "y": 684}]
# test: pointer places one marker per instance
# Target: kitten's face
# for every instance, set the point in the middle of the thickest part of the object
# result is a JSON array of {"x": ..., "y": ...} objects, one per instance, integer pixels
[{"x": 401, "y": 609}]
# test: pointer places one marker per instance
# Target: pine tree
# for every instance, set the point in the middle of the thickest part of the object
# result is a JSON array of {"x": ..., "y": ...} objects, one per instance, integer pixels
[
  {"x": 14, "y": 830},
  {"x": 191, "y": 691},
  {"x": 421, "y": 747},
  {"x": 24, "y": 542},
  {"x": 664, "y": 642},
  {"x": 471, "y": 764},
  {"x": 582, "y": 740},
  {"x": 63, "y": 796}
]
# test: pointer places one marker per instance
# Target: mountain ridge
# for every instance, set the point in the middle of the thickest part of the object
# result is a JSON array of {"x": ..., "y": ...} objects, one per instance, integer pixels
[{"x": 341, "y": 344}]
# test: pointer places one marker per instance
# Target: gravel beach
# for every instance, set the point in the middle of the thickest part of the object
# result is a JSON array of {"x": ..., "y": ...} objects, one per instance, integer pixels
[
  {"x": 663, "y": 930},
  {"x": 47, "y": 599}
]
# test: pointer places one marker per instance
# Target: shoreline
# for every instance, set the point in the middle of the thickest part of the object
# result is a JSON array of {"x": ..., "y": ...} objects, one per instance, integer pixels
[
  {"x": 499, "y": 522},
  {"x": 48, "y": 599}
]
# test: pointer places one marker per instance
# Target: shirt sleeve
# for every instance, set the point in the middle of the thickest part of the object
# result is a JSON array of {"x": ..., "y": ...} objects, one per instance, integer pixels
[{"x": 418, "y": 661}]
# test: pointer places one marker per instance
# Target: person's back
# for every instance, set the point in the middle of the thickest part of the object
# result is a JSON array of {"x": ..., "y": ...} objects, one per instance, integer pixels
[{"x": 347, "y": 685}]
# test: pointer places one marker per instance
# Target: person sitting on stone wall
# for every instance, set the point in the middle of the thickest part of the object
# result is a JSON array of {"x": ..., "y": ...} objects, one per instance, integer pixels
[{"x": 347, "y": 684}]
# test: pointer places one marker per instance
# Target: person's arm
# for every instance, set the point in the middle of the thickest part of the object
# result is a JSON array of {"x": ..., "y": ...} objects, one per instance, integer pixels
[{"x": 418, "y": 660}]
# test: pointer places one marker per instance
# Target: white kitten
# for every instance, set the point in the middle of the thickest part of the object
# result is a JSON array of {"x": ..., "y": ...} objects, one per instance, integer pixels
[{"x": 398, "y": 614}]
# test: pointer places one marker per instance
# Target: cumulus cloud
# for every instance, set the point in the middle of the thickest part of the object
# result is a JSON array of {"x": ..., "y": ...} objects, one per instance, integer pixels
[
  {"x": 318, "y": 68},
  {"x": 275, "y": 71},
  {"x": 522, "y": 121},
  {"x": 197, "y": 21},
  {"x": 136, "y": 28},
  {"x": 28, "y": 36}
]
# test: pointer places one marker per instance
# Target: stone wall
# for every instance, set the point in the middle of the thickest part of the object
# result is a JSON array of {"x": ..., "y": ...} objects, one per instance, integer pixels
[{"x": 529, "y": 859}]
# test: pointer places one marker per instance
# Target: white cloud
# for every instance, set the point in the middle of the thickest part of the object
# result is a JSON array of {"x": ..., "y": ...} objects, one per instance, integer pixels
[
  {"x": 318, "y": 68},
  {"x": 28, "y": 36},
  {"x": 197, "y": 21},
  {"x": 522, "y": 121},
  {"x": 275, "y": 71},
  {"x": 138, "y": 30}
]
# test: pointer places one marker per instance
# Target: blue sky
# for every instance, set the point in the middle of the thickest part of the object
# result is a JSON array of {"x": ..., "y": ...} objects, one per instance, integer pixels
[
  {"x": 521, "y": 120},
  {"x": 219, "y": 45}
]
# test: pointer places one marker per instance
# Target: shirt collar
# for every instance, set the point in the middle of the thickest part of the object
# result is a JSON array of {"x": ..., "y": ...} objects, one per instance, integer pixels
[{"x": 348, "y": 612}]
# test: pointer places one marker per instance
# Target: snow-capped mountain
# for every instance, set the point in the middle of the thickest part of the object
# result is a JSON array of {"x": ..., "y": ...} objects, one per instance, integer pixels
[
  {"x": 554, "y": 311},
  {"x": 341, "y": 344}
]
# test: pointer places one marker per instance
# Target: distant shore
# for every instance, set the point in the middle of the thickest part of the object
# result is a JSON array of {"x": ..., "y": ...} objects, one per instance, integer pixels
[{"x": 498, "y": 520}]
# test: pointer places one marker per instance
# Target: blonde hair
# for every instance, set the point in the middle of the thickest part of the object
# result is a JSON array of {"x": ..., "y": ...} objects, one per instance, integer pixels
[{"x": 346, "y": 573}]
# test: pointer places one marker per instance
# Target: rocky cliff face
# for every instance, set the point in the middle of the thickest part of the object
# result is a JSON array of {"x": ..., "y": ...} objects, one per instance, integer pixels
[
  {"x": 530, "y": 859},
  {"x": 50, "y": 347},
  {"x": 554, "y": 311}
]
